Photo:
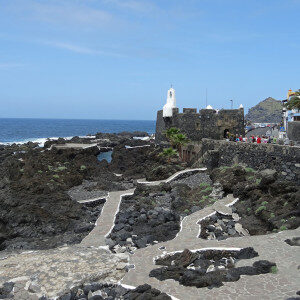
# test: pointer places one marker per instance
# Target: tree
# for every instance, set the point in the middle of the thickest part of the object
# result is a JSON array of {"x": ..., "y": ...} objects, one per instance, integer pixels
[
  {"x": 169, "y": 153},
  {"x": 170, "y": 132},
  {"x": 179, "y": 140},
  {"x": 176, "y": 138},
  {"x": 294, "y": 102}
]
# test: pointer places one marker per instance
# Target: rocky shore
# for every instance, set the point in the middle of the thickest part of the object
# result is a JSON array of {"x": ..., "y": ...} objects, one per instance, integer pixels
[
  {"x": 53, "y": 200},
  {"x": 41, "y": 190}
]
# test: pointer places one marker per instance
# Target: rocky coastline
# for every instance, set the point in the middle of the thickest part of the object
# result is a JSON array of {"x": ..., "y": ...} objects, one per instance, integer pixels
[{"x": 54, "y": 197}]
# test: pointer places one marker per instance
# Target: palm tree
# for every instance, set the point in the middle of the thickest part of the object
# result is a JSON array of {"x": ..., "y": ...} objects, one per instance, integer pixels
[
  {"x": 179, "y": 140},
  {"x": 171, "y": 132},
  {"x": 294, "y": 102},
  {"x": 169, "y": 153}
]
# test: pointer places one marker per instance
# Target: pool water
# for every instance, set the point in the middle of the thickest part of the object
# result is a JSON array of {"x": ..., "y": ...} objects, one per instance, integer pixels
[{"x": 105, "y": 155}]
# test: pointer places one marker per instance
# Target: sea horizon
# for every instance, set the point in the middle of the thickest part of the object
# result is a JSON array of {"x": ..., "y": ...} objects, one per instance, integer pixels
[{"x": 23, "y": 130}]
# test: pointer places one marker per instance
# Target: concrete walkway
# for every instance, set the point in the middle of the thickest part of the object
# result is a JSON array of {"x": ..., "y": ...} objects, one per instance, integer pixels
[
  {"x": 142, "y": 181},
  {"x": 106, "y": 221},
  {"x": 72, "y": 146}
]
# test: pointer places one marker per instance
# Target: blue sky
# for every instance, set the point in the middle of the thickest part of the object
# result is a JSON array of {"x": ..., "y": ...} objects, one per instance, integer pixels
[{"x": 115, "y": 59}]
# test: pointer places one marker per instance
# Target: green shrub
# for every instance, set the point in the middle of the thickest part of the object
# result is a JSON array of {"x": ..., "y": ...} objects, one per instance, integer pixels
[
  {"x": 50, "y": 168},
  {"x": 22, "y": 170},
  {"x": 274, "y": 269},
  {"x": 264, "y": 203},
  {"x": 208, "y": 190},
  {"x": 248, "y": 209},
  {"x": 251, "y": 178},
  {"x": 55, "y": 176},
  {"x": 61, "y": 168},
  {"x": 292, "y": 218},
  {"x": 40, "y": 171},
  {"x": 261, "y": 208},
  {"x": 283, "y": 227},
  {"x": 283, "y": 220},
  {"x": 186, "y": 211},
  {"x": 204, "y": 184},
  {"x": 272, "y": 215},
  {"x": 224, "y": 168},
  {"x": 82, "y": 168},
  {"x": 249, "y": 170},
  {"x": 258, "y": 181},
  {"x": 285, "y": 203}
]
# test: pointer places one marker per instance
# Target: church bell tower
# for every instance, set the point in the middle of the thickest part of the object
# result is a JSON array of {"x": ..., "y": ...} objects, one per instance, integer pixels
[{"x": 171, "y": 103}]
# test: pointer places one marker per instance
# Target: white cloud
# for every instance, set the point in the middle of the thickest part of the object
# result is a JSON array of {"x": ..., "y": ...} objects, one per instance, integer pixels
[
  {"x": 63, "y": 12},
  {"x": 134, "y": 5},
  {"x": 79, "y": 49},
  {"x": 10, "y": 65}
]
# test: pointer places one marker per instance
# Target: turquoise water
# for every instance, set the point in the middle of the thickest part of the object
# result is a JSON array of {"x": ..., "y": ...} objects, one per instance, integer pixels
[
  {"x": 37, "y": 130},
  {"x": 105, "y": 155}
]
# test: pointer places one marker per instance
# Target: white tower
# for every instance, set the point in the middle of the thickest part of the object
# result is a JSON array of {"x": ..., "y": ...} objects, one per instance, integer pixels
[{"x": 171, "y": 103}]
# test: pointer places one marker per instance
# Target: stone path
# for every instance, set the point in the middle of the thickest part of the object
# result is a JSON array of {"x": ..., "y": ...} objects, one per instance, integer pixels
[
  {"x": 142, "y": 181},
  {"x": 72, "y": 146},
  {"x": 105, "y": 222}
]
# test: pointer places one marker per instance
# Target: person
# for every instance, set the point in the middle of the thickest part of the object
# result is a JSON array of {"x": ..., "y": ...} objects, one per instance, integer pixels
[
  {"x": 240, "y": 138},
  {"x": 286, "y": 141},
  {"x": 258, "y": 140},
  {"x": 252, "y": 139},
  {"x": 237, "y": 138}
]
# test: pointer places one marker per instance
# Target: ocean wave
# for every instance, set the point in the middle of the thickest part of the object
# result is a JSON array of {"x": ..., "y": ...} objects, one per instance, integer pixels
[{"x": 40, "y": 141}]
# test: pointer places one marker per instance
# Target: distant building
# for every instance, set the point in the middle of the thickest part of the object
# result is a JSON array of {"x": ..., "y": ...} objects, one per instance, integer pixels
[
  {"x": 205, "y": 123},
  {"x": 291, "y": 120}
]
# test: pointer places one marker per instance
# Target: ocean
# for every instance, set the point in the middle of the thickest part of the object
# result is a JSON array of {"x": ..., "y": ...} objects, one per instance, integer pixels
[{"x": 38, "y": 130}]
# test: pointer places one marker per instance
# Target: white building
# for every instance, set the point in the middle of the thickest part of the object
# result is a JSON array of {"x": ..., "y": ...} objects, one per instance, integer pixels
[{"x": 171, "y": 103}]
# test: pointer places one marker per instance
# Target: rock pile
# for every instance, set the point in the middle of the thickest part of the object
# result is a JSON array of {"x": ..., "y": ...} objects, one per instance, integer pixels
[
  {"x": 221, "y": 227},
  {"x": 209, "y": 268},
  {"x": 99, "y": 291}
]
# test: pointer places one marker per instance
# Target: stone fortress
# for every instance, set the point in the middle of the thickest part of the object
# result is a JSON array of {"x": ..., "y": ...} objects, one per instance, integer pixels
[{"x": 207, "y": 123}]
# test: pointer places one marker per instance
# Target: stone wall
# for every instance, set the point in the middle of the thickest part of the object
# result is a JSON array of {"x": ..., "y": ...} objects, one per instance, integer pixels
[
  {"x": 213, "y": 153},
  {"x": 294, "y": 131},
  {"x": 207, "y": 123}
]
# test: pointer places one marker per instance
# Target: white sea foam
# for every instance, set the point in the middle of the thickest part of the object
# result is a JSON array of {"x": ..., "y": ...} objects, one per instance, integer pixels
[
  {"x": 40, "y": 141},
  {"x": 146, "y": 138}
]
